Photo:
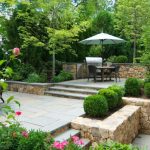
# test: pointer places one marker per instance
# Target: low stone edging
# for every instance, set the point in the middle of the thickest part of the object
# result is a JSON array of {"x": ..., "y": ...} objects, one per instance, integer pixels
[
  {"x": 121, "y": 126},
  {"x": 24, "y": 87},
  {"x": 145, "y": 112}
]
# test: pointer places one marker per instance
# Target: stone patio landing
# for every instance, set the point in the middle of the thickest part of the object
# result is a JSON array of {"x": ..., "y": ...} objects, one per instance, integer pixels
[{"x": 46, "y": 113}]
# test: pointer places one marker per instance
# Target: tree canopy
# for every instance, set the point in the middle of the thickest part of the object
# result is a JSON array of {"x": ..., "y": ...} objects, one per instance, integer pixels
[{"x": 42, "y": 27}]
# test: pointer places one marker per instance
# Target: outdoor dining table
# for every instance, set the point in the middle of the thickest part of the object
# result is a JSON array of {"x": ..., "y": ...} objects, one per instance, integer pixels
[{"x": 102, "y": 68}]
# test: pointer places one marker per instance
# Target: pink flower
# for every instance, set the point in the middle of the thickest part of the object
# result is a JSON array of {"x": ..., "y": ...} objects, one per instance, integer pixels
[
  {"x": 25, "y": 134},
  {"x": 58, "y": 145},
  {"x": 79, "y": 142},
  {"x": 64, "y": 143},
  {"x": 18, "y": 113},
  {"x": 75, "y": 138},
  {"x": 16, "y": 51}
]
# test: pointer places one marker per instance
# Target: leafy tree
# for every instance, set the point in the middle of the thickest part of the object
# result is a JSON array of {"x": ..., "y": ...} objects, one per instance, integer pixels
[
  {"x": 60, "y": 40},
  {"x": 130, "y": 16}
]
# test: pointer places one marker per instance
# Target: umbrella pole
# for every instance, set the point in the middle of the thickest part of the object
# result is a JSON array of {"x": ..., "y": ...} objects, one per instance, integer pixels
[{"x": 102, "y": 45}]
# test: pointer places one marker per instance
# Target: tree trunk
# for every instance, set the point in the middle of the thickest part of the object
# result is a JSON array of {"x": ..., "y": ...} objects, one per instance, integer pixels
[
  {"x": 134, "y": 49},
  {"x": 53, "y": 72}
]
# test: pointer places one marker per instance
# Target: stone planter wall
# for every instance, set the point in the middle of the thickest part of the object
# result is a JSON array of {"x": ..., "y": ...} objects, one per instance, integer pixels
[
  {"x": 145, "y": 112},
  {"x": 31, "y": 88},
  {"x": 79, "y": 70},
  {"x": 122, "y": 126}
]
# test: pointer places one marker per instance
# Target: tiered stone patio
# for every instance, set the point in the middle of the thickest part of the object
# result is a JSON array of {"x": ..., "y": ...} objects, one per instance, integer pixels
[{"x": 49, "y": 113}]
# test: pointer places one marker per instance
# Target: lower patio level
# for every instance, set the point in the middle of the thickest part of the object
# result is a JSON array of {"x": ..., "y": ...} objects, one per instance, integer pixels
[{"x": 46, "y": 113}]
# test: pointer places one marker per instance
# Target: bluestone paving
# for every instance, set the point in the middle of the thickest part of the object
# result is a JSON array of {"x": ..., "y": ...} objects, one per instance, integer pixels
[
  {"x": 45, "y": 112},
  {"x": 142, "y": 141},
  {"x": 91, "y": 83}
]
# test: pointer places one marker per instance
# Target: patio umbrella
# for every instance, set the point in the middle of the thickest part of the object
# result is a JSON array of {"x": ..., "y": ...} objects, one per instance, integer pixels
[{"x": 102, "y": 39}]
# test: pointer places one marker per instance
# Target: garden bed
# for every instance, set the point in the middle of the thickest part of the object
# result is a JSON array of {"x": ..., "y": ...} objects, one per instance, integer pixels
[{"x": 121, "y": 126}]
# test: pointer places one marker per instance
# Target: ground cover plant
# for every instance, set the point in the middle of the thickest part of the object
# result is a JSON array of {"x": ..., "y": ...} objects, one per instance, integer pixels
[
  {"x": 110, "y": 145},
  {"x": 62, "y": 76}
]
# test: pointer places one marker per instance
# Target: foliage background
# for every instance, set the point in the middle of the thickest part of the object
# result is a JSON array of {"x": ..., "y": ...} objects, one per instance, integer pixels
[{"x": 40, "y": 27}]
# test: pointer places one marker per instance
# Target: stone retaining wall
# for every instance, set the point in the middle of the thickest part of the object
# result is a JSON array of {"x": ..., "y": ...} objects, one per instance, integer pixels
[
  {"x": 79, "y": 70},
  {"x": 145, "y": 112},
  {"x": 122, "y": 126},
  {"x": 31, "y": 88}
]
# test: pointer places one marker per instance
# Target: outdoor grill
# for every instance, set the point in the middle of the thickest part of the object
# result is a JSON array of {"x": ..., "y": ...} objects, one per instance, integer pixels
[{"x": 95, "y": 61}]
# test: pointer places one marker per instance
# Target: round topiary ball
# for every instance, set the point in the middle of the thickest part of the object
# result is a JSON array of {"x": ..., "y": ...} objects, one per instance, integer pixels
[
  {"x": 111, "y": 97},
  {"x": 147, "y": 89},
  {"x": 132, "y": 87},
  {"x": 120, "y": 91},
  {"x": 95, "y": 106}
]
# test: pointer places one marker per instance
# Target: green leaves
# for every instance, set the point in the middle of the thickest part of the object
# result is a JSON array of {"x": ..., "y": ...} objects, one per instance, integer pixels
[
  {"x": 2, "y": 62},
  {"x": 10, "y": 99}
]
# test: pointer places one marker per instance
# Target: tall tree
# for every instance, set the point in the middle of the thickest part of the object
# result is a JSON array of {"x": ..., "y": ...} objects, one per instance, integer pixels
[{"x": 130, "y": 16}]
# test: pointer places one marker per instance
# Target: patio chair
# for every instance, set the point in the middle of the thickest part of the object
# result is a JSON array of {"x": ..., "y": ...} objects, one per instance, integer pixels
[
  {"x": 115, "y": 72},
  {"x": 1, "y": 92},
  {"x": 92, "y": 72}
]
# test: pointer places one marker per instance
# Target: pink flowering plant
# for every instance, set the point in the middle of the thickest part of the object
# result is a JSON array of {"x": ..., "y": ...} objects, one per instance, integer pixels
[
  {"x": 8, "y": 115},
  {"x": 74, "y": 143}
]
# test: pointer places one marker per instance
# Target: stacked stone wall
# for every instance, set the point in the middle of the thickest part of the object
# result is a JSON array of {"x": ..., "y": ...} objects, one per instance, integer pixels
[
  {"x": 145, "y": 112},
  {"x": 122, "y": 126},
  {"x": 31, "y": 88},
  {"x": 79, "y": 70}
]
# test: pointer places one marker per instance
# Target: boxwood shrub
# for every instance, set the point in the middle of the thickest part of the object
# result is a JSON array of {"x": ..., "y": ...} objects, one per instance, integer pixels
[
  {"x": 147, "y": 89},
  {"x": 111, "y": 97},
  {"x": 132, "y": 87},
  {"x": 120, "y": 91},
  {"x": 95, "y": 106},
  {"x": 121, "y": 59}
]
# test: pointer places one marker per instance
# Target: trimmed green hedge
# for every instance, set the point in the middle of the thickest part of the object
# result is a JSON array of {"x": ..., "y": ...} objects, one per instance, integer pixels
[
  {"x": 111, "y": 97},
  {"x": 120, "y": 91},
  {"x": 132, "y": 87},
  {"x": 95, "y": 106},
  {"x": 147, "y": 89}
]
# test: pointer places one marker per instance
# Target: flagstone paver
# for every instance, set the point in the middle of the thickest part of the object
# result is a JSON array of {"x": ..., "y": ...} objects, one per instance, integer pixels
[
  {"x": 46, "y": 112},
  {"x": 142, "y": 141}
]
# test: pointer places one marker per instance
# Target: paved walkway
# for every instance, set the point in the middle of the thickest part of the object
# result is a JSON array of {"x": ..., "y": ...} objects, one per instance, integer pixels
[
  {"x": 46, "y": 112},
  {"x": 142, "y": 141}
]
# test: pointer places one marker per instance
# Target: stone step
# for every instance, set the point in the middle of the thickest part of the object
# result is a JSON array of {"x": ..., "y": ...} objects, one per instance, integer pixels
[
  {"x": 86, "y": 142},
  {"x": 72, "y": 132},
  {"x": 66, "y": 94},
  {"x": 60, "y": 129},
  {"x": 67, "y": 134},
  {"x": 76, "y": 86},
  {"x": 73, "y": 90}
]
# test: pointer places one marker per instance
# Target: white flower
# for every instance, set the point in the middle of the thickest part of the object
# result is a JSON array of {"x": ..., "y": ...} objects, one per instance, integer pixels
[{"x": 2, "y": 80}]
